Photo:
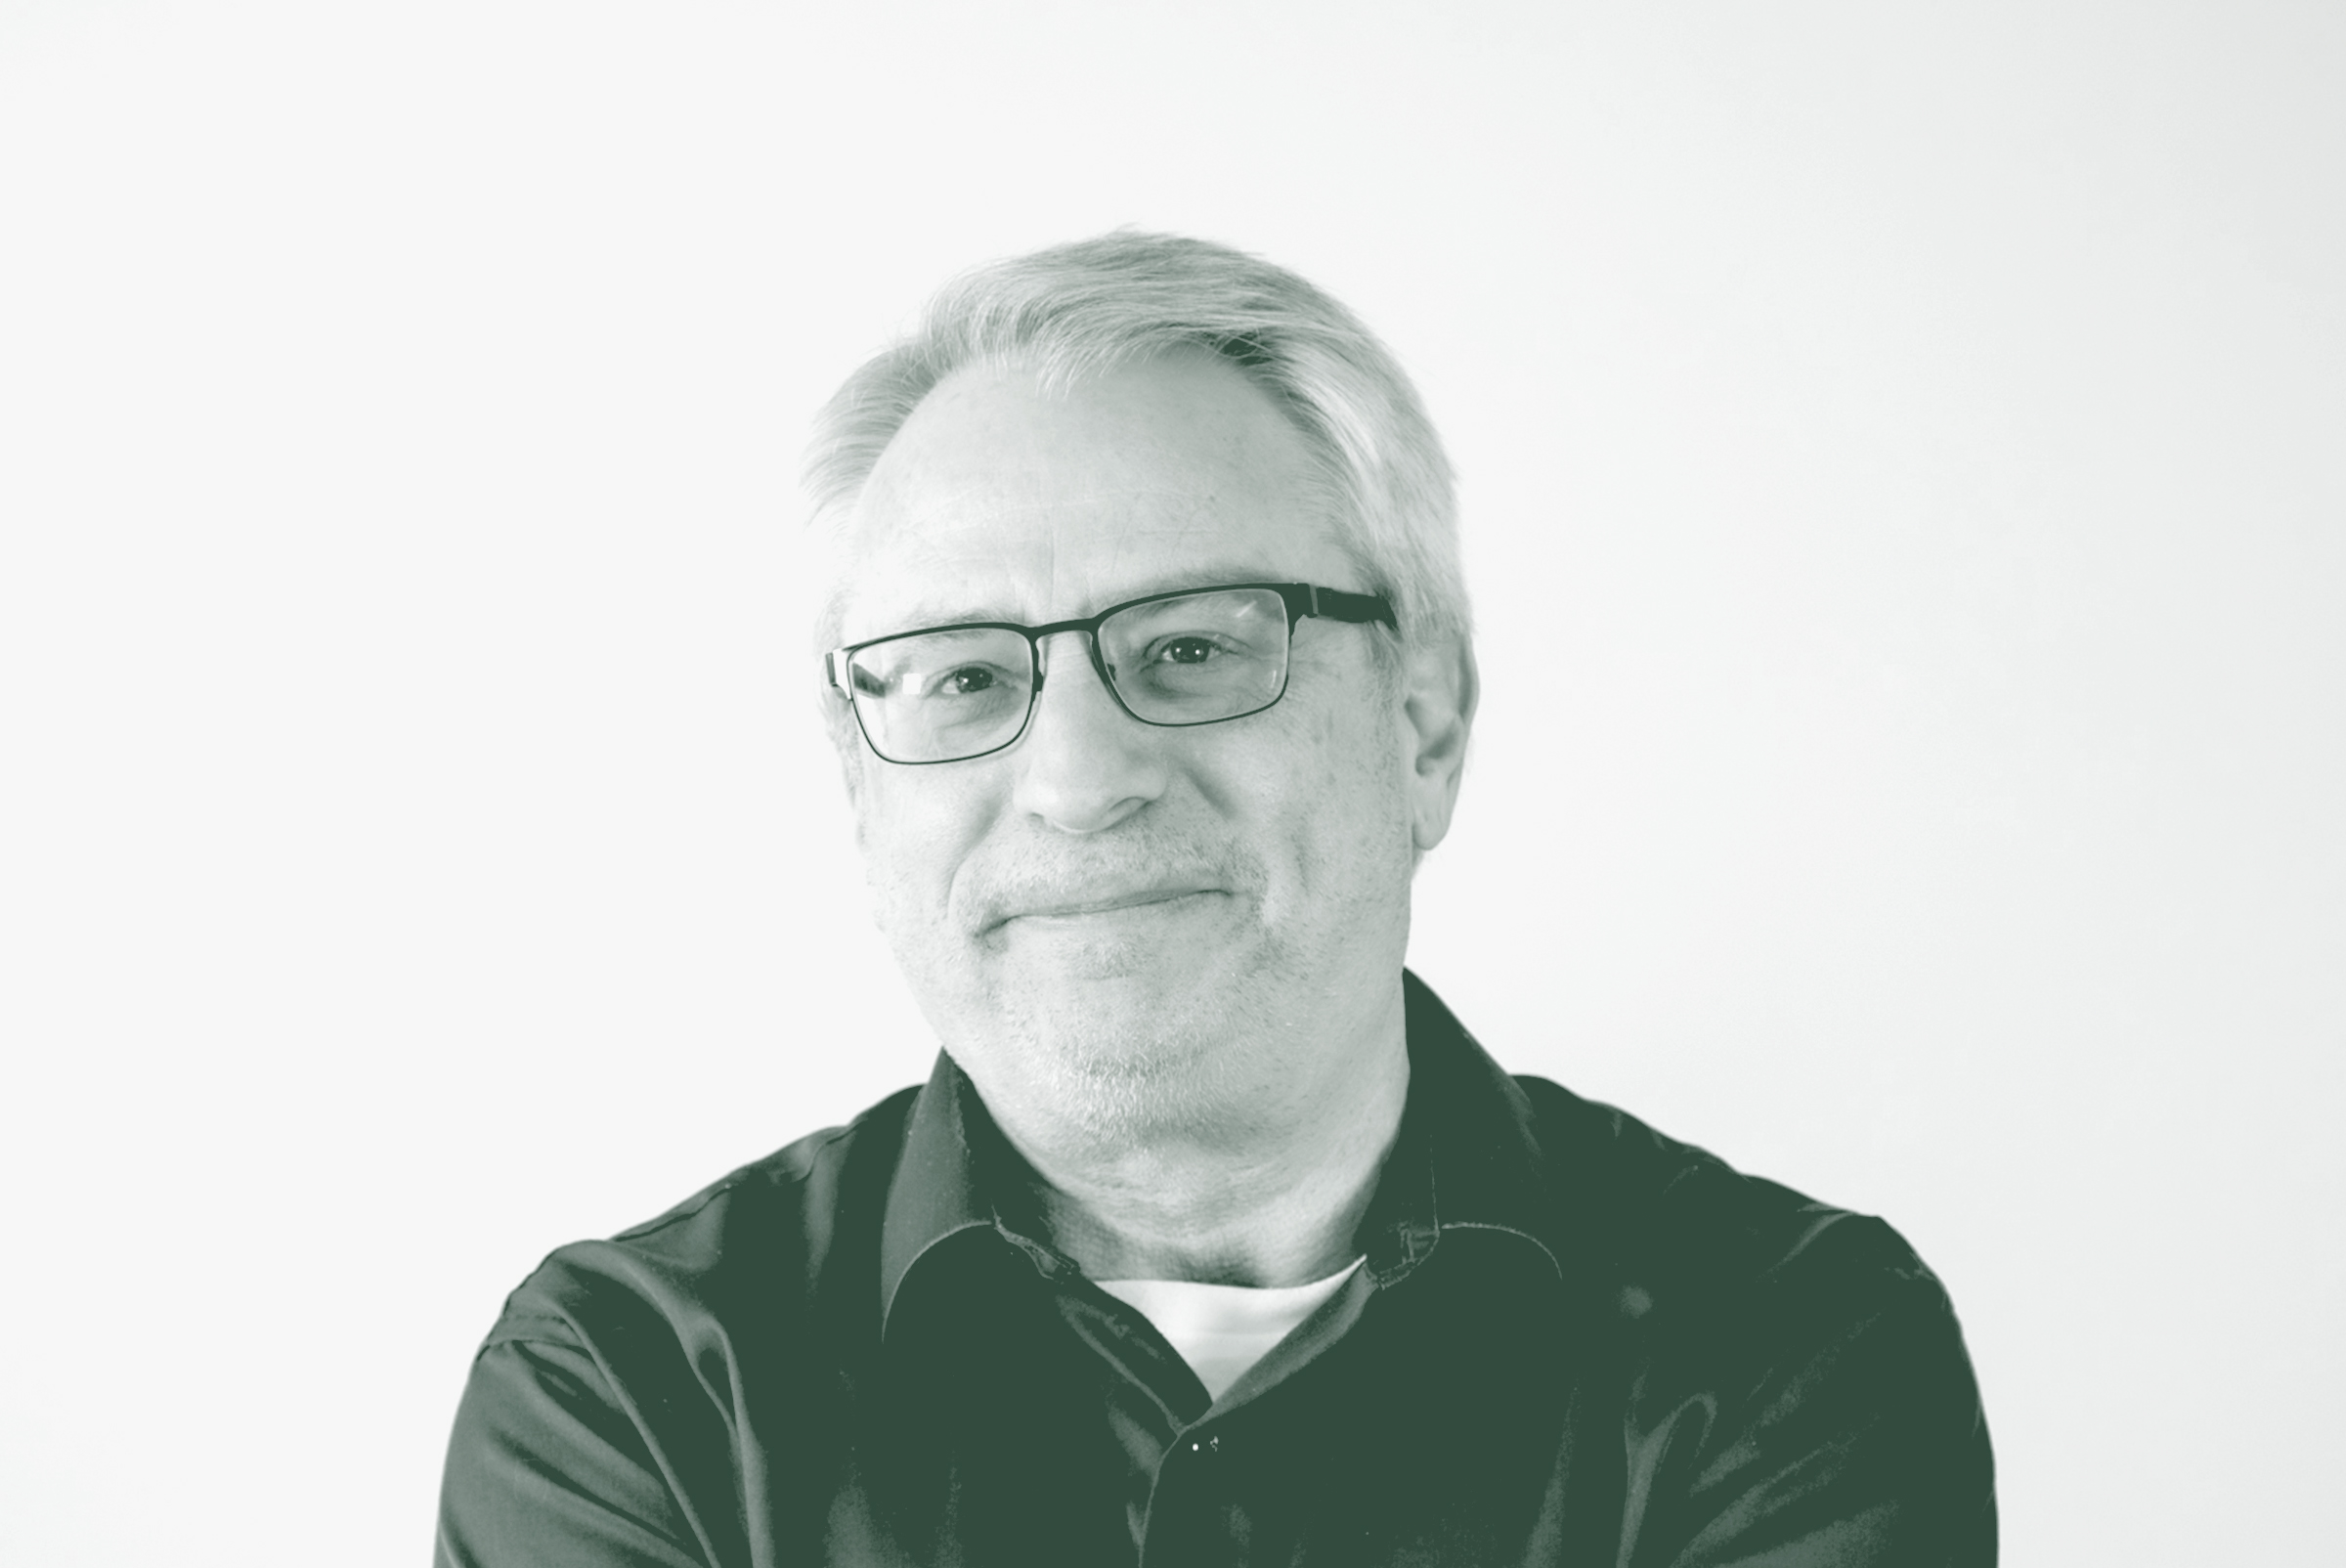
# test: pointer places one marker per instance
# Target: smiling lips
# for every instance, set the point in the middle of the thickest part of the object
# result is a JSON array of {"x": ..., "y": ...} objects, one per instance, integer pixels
[{"x": 1137, "y": 898}]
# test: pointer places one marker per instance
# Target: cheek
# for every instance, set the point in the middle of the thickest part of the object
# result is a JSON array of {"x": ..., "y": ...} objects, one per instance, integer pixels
[
  {"x": 1343, "y": 815},
  {"x": 912, "y": 839}
]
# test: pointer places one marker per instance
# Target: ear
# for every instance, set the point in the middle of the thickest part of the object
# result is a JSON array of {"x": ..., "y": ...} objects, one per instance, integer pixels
[{"x": 1440, "y": 690}]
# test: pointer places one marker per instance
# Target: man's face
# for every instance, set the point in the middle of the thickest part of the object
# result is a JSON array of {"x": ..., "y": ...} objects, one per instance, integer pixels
[{"x": 1133, "y": 925}]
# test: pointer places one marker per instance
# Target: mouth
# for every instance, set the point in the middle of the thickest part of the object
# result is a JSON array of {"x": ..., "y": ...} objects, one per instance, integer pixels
[{"x": 1142, "y": 902}]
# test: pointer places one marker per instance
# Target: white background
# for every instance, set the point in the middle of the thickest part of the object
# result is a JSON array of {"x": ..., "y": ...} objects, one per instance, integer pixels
[{"x": 1905, "y": 462}]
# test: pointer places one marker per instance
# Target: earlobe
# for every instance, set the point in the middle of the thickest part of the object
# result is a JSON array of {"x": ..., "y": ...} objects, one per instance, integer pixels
[{"x": 1443, "y": 687}]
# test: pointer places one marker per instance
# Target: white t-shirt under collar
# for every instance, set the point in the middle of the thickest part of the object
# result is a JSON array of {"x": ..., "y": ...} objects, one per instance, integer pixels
[{"x": 1223, "y": 1330}]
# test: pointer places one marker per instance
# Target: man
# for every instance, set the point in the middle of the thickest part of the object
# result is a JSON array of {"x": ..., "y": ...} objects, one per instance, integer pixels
[{"x": 1213, "y": 1238}]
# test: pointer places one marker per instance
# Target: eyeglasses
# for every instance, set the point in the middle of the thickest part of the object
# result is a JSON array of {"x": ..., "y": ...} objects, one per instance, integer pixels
[{"x": 1194, "y": 657}]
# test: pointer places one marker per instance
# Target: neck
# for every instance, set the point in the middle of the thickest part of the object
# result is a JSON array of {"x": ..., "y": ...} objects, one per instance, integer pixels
[{"x": 1271, "y": 1195}]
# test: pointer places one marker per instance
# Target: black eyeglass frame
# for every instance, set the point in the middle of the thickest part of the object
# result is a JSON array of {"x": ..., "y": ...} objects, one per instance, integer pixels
[{"x": 1302, "y": 600}]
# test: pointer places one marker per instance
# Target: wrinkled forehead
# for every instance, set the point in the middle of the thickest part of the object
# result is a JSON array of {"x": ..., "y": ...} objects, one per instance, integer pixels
[{"x": 1005, "y": 497}]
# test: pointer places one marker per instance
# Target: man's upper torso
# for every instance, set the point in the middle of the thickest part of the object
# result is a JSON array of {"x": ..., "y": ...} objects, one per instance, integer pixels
[{"x": 1573, "y": 1341}]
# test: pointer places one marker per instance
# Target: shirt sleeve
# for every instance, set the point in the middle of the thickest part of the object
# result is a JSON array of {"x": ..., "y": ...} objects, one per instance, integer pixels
[
  {"x": 548, "y": 1466},
  {"x": 1850, "y": 1437}
]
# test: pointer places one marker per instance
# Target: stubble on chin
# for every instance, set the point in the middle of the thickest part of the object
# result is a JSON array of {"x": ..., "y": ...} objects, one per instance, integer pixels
[
  {"x": 1137, "y": 1054},
  {"x": 1106, "y": 1014}
]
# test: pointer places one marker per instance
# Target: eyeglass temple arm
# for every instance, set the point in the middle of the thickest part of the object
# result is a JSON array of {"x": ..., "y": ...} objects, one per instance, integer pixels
[{"x": 1336, "y": 605}]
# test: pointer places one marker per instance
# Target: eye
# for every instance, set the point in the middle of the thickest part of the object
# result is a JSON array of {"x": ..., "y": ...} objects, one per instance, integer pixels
[
  {"x": 1185, "y": 650},
  {"x": 966, "y": 681}
]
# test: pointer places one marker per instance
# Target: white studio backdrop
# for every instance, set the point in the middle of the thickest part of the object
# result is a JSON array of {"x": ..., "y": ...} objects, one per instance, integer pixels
[{"x": 1902, "y": 464}]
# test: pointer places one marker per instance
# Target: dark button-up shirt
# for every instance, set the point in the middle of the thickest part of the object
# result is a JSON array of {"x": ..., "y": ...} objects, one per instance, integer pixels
[{"x": 1574, "y": 1341}]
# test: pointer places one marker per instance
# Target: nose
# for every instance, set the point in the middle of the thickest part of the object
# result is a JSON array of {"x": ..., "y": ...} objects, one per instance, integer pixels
[{"x": 1084, "y": 763}]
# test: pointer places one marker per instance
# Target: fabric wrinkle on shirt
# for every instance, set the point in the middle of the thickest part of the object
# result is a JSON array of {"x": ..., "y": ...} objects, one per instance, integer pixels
[{"x": 1223, "y": 1330}]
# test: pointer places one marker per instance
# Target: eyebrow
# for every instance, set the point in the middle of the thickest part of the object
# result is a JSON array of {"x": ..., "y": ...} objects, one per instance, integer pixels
[{"x": 928, "y": 613}]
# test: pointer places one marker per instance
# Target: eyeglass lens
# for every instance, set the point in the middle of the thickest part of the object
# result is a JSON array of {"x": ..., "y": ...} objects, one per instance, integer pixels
[{"x": 938, "y": 696}]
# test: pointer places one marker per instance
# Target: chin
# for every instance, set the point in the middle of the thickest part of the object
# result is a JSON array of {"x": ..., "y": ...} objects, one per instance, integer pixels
[
  {"x": 1138, "y": 1021},
  {"x": 1145, "y": 1048}
]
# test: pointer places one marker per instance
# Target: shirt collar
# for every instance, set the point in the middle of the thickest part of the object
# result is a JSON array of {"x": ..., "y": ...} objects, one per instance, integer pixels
[
  {"x": 1466, "y": 1158},
  {"x": 938, "y": 1188}
]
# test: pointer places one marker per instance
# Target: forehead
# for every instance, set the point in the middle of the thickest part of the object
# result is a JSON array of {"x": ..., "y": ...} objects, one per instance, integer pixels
[{"x": 1006, "y": 498}]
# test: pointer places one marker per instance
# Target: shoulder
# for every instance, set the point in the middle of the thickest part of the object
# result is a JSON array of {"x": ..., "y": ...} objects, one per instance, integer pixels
[
  {"x": 1682, "y": 1229},
  {"x": 605, "y": 1414},
  {"x": 769, "y": 1236},
  {"x": 1788, "y": 1369}
]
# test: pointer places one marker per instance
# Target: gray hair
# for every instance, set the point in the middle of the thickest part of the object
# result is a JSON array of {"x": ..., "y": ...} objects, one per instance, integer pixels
[{"x": 1080, "y": 309}]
